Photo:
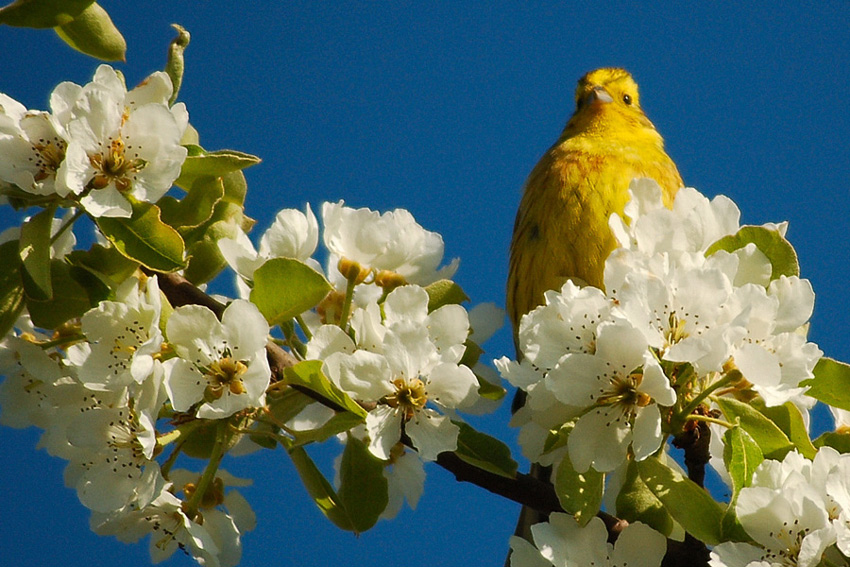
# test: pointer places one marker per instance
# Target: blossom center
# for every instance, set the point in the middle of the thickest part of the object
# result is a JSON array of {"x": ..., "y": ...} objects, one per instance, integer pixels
[
  {"x": 223, "y": 375},
  {"x": 114, "y": 166},
  {"x": 409, "y": 395},
  {"x": 50, "y": 156},
  {"x": 675, "y": 329},
  {"x": 624, "y": 391}
]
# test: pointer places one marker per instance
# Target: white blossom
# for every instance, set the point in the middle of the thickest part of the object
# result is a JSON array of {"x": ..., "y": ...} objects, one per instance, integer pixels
[
  {"x": 562, "y": 542},
  {"x": 222, "y": 366},
  {"x": 392, "y": 241}
]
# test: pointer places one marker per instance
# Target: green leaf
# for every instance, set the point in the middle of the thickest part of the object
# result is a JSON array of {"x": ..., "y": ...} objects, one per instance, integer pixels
[
  {"x": 742, "y": 455},
  {"x": 340, "y": 422},
  {"x": 308, "y": 374},
  {"x": 484, "y": 452},
  {"x": 774, "y": 444},
  {"x": 196, "y": 207},
  {"x": 444, "y": 292},
  {"x": 213, "y": 164},
  {"x": 636, "y": 502},
  {"x": 284, "y": 288},
  {"x": 789, "y": 419},
  {"x": 75, "y": 291},
  {"x": 175, "y": 64},
  {"x": 106, "y": 263},
  {"x": 580, "y": 494},
  {"x": 687, "y": 502},
  {"x": 831, "y": 383},
  {"x": 731, "y": 528},
  {"x": 287, "y": 404},
  {"x": 11, "y": 287},
  {"x": 363, "y": 486},
  {"x": 34, "y": 248},
  {"x": 838, "y": 440},
  {"x": 93, "y": 33},
  {"x": 145, "y": 238},
  {"x": 320, "y": 489},
  {"x": 770, "y": 242},
  {"x": 42, "y": 13},
  {"x": 205, "y": 261}
]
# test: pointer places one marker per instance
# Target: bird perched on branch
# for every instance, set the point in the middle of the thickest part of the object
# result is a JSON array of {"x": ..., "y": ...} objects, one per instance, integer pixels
[{"x": 561, "y": 230}]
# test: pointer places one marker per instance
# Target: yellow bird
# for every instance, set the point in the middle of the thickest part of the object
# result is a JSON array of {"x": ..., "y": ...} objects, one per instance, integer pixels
[{"x": 561, "y": 230}]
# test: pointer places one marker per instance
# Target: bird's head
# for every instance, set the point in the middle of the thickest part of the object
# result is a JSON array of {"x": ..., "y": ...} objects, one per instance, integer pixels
[{"x": 607, "y": 99}]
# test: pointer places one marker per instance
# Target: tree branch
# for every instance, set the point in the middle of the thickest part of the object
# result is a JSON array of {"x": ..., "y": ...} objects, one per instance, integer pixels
[{"x": 523, "y": 489}]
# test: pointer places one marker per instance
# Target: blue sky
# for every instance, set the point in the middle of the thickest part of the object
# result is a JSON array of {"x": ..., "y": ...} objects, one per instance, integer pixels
[{"x": 444, "y": 111}]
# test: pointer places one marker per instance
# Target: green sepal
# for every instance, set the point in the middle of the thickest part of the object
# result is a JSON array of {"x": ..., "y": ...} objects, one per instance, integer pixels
[
  {"x": 831, "y": 384},
  {"x": 75, "y": 291},
  {"x": 11, "y": 286},
  {"x": 772, "y": 441},
  {"x": 308, "y": 374},
  {"x": 636, "y": 502},
  {"x": 34, "y": 247},
  {"x": 145, "y": 238},
  {"x": 580, "y": 494},
  {"x": 687, "y": 502},
  {"x": 285, "y": 287},
  {"x": 92, "y": 32},
  {"x": 780, "y": 253},
  {"x": 444, "y": 292},
  {"x": 485, "y": 452},
  {"x": 42, "y": 13}
]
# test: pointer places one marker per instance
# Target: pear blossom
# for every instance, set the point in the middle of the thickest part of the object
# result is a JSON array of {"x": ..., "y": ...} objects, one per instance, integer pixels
[
  {"x": 622, "y": 384},
  {"x": 392, "y": 241},
  {"x": 221, "y": 366},
  {"x": 118, "y": 468},
  {"x": 404, "y": 363},
  {"x": 562, "y": 542},
  {"x": 170, "y": 529},
  {"x": 120, "y": 143},
  {"x": 124, "y": 336},
  {"x": 786, "y": 511}
]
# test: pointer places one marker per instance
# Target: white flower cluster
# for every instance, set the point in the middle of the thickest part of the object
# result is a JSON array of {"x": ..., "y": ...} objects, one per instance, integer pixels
[
  {"x": 796, "y": 511},
  {"x": 394, "y": 357},
  {"x": 99, "y": 404},
  {"x": 99, "y": 145},
  {"x": 600, "y": 359},
  {"x": 132, "y": 378}
]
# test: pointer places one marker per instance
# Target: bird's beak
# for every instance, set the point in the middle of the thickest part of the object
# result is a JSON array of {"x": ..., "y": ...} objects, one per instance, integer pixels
[{"x": 599, "y": 94}]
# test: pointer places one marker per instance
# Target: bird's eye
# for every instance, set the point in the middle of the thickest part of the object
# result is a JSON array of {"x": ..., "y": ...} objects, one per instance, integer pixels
[{"x": 627, "y": 99}]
